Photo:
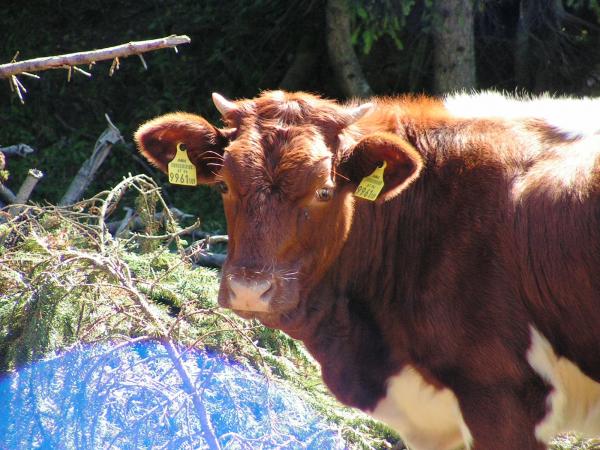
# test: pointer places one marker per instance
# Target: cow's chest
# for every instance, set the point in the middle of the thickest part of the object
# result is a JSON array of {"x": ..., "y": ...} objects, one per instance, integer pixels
[{"x": 427, "y": 418}]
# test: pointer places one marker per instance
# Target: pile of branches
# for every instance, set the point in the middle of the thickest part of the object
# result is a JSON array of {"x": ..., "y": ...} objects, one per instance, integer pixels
[{"x": 67, "y": 253}]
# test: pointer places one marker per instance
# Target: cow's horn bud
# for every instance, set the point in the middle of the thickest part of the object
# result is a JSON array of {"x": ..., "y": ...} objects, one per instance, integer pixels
[
  {"x": 358, "y": 111},
  {"x": 223, "y": 105}
]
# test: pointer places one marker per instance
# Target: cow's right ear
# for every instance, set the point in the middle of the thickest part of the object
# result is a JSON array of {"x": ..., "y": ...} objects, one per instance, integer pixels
[{"x": 157, "y": 140}]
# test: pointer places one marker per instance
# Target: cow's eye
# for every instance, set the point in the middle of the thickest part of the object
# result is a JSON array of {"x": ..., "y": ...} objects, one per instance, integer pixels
[
  {"x": 324, "y": 194},
  {"x": 222, "y": 187}
]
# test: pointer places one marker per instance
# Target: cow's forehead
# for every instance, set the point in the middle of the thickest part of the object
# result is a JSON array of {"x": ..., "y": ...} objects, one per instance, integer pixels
[{"x": 292, "y": 159}]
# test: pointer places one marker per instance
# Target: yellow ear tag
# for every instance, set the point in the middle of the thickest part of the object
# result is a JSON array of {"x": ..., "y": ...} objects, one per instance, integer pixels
[
  {"x": 180, "y": 169},
  {"x": 371, "y": 185}
]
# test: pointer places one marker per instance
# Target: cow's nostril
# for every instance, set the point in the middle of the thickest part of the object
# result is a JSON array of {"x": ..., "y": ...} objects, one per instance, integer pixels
[{"x": 268, "y": 294}]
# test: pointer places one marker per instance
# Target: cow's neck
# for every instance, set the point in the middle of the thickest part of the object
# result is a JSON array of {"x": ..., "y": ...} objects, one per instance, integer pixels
[{"x": 350, "y": 328}]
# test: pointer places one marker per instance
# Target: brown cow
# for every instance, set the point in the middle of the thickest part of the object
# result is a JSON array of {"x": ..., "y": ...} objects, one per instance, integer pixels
[{"x": 462, "y": 307}]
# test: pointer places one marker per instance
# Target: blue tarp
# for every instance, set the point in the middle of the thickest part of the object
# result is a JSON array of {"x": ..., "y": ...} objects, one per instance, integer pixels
[{"x": 131, "y": 397}]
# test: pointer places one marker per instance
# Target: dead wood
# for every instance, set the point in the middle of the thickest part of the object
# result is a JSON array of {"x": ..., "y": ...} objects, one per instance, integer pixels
[
  {"x": 88, "y": 170},
  {"x": 90, "y": 57},
  {"x": 6, "y": 195},
  {"x": 70, "y": 61},
  {"x": 22, "y": 197},
  {"x": 17, "y": 149}
]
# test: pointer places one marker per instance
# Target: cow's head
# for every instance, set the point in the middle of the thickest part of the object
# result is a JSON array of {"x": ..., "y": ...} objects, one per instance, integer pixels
[{"x": 287, "y": 166}]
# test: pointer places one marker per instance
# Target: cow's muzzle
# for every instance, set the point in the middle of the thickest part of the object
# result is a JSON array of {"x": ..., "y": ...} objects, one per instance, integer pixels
[{"x": 243, "y": 293}]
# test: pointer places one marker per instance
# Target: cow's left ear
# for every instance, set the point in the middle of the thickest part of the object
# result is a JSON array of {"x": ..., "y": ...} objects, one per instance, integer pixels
[{"x": 403, "y": 163}]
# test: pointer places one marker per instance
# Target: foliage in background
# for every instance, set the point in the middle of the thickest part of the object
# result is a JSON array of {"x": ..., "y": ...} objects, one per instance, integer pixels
[{"x": 378, "y": 18}]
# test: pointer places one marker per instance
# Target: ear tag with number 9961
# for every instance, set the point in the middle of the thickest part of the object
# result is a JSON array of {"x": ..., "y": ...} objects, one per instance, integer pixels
[
  {"x": 371, "y": 185},
  {"x": 180, "y": 169}
]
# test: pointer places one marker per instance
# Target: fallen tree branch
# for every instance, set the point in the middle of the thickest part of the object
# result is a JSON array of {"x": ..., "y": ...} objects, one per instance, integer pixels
[
  {"x": 207, "y": 259},
  {"x": 88, "y": 170},
  {"x": 17, "y": 149},
  {"x": 6, "y": 195},
  {"x": 199, "y": 252},
  {"x": 33, "y": 177},
  {"x": 123, "y": 224},
  {"x": 90, "y": 57},
  {"x": 136, "y": 223}
]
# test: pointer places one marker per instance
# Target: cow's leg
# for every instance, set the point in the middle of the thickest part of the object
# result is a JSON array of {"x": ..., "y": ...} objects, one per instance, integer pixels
[{"x": 501, "y": 418}]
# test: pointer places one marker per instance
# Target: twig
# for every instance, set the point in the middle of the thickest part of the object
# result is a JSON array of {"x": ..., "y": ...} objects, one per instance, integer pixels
[
  {"x": 143, "y": 61},
  {"x": 14, "y": 83},
  {"x": 181, "y": 232},
  {"x": 90, "y": 57},
  {"x": 81, "y": 71}
]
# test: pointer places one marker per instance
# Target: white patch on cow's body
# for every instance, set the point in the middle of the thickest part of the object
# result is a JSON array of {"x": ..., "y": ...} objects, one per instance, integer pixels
[
  {"x": 425, "y": 417},
  {"x": 562, "y": 169},
  {"x": 574, "y": 117},
  {"x": 574, "y": 403}
]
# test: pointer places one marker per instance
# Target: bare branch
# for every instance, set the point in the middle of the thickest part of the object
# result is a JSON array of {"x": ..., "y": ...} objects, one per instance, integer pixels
[
  {"x": 7, "y": 195},
  {"x": 17, "y": 149},
  {"x": 88, "y": 170},
  {"x": 124, "y": 224},
  {"x": 136, "y": 223},
  {"x": 33, "y": 177},
  {"x": 90, "y": 57}
]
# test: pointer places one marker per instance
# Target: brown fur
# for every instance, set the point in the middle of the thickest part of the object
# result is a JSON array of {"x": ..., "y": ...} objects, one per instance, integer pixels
[{"x": 446, "y": 275}]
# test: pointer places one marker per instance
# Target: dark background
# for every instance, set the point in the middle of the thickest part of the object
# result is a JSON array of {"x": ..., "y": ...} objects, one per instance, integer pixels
[{"x": 242, "y": 47}]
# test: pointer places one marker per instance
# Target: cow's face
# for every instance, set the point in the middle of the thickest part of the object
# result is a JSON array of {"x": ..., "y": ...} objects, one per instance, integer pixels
[{"x": 287, "y": 166}]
